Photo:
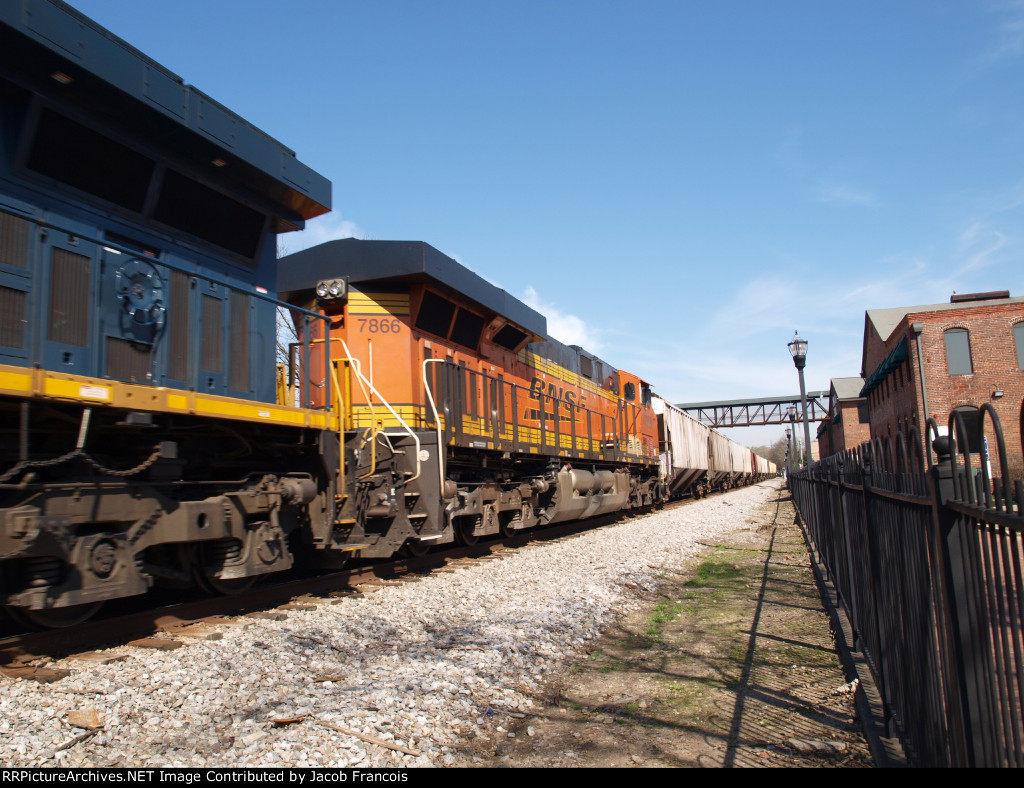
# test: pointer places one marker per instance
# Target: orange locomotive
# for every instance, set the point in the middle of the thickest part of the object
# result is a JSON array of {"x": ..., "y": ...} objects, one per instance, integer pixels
[{"x": 460, "y": 417}]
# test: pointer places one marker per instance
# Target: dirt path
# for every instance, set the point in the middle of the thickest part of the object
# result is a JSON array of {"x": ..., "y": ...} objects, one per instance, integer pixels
[{"x": 730, "y": 664}]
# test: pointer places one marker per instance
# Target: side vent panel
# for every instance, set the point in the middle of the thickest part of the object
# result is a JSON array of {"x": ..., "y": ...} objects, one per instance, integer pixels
[
  {"x": 12, "y": 317},
  {"x": 239, "y": 362},
  {"x": 213, "y": 317},
  {"x": 69, "y": 298},
  {"x": 178, "y": 328},
  {"x": 14, "y": 234},
  {"x": 128, "y": 360}
]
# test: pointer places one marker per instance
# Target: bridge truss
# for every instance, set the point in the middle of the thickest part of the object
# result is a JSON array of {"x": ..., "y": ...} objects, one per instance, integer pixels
[{"x": 757, "y": 412}]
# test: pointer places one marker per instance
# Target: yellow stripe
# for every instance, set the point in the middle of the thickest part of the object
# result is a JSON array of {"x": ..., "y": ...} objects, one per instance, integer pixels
[
  {"x": 549, "y": 367},
  {"x": 378, "y": 303},
  {"x": 236, "y": 409},
  {"x": 72, "y": 389},
  {"x": 91, "y": 391},
  {"x": 15, "y": 381}
]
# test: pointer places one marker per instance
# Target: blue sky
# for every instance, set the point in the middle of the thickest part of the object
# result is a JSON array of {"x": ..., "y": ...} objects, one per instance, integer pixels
[{"x": 677, "y": 185}]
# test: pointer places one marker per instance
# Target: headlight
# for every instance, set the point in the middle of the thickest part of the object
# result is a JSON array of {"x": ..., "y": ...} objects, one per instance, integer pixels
[{"x": 327, "y": 289}]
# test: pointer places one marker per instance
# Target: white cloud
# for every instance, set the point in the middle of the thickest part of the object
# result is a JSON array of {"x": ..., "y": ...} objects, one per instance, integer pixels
[
  {"x": 1009, "y": 42},
  {"x": 329, "y": 227},
  {"x": 843, "y": 194},
  {"x": 566, "y": 328},
  {"x": 978, "y": 245}
]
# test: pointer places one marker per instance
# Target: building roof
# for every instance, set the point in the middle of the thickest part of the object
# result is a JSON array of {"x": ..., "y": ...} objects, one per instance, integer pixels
[
  {"x": 885, "y": 321},
  {"x": 847, "y": 388}
]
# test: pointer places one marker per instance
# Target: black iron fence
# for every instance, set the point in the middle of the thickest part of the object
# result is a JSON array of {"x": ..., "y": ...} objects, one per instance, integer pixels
[{"x": 926, "y": 554}]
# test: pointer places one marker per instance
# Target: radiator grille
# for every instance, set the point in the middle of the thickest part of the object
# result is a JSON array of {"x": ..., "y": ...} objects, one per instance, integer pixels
[
  {"x": 12, "y": 317},
  {"x": 178, "y": 330},
  {"x": 128, "y": 361},
  {"x": 239, "y": 349},
  {"x": 213, "y": 317},
  {"x": 69, "y": 298},
  {"x": 14, "y": 240}
]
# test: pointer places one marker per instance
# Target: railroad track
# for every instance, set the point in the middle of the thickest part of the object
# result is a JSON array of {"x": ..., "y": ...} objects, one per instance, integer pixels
[{"x": 160, "y": 625}]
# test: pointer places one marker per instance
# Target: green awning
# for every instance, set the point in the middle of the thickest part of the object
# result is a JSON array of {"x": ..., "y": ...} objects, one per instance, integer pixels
[{"x": 899, "y": 354}]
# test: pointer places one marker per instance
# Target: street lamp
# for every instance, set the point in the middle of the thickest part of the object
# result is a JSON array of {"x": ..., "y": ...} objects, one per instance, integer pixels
[
  {"x": 798, "y": 348},
  {"x": 789, "y": 453},
  {"x": 794, "y": 455}
]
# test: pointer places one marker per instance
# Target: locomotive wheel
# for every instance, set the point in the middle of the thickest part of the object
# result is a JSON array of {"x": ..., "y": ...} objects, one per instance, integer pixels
[
  {"x": 414, "y": 548},
  {"x": 464, "y": 527},
  {"x": 221, "y": 587},
  {"x": 508, "y": 525},
  {"x": 54, "y": 617},
  {"x": 208, "y": 559}
]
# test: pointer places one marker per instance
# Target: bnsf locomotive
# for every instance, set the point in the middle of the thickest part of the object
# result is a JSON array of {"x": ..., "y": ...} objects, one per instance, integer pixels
[{"x": 154, "y": 431}]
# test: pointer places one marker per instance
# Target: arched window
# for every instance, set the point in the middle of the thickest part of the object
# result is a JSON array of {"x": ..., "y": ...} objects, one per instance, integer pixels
[
  {"x": 1018, "y": 336},
  {"x": 970, "y": 416},
  {"x": 958, "y": 352}
]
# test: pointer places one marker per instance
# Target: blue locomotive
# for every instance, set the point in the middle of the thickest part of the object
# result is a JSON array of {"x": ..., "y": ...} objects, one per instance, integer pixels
[{"x": 138, "y": 225}]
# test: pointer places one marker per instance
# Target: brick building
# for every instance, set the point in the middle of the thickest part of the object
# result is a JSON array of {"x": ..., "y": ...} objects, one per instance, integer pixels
[
  {"x": 921, "y": 361},
  {"x": 849, "y": 423}
]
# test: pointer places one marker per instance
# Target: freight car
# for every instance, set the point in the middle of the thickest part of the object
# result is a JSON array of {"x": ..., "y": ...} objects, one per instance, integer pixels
[
  {"x": 695, "y": 459},
  {"x": 147, "y": 437}
]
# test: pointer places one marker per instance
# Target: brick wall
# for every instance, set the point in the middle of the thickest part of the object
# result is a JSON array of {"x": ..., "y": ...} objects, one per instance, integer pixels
[
  {"x": 853, "y": 432},
  {"x": 897, "y": 403},
  {"x": 826, "y": 440}
]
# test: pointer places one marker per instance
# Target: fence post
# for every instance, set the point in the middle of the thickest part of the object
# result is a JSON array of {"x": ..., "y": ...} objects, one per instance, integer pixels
[
  {"x": 882, "y": 677},
  {"x": 847, "y": 589},
  {"x": 966, "y": 748}
]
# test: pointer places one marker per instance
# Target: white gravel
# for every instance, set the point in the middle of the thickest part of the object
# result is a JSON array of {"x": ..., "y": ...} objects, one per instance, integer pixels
[{"x": 426, "y": 665}]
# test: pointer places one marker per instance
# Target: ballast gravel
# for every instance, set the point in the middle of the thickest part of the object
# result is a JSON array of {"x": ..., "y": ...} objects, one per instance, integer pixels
[{"x": 417, "y": 670}]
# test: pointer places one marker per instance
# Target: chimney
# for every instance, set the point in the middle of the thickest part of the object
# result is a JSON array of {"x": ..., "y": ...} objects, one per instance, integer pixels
[{"x": 995, "y": 295}]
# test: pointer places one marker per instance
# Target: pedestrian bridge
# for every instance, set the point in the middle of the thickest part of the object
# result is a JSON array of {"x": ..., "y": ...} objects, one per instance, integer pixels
[{"x": 756, "y": 412}]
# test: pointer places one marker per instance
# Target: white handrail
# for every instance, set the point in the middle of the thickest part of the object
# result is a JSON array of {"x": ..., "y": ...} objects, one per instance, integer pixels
[
  {"x": 437, "y": 422},
  {"x": 357, "y": 367}
]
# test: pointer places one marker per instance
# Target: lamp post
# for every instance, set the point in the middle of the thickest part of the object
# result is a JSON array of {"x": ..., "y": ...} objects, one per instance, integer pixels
[
  {"x": 789, "y": 453},
  {"x": 794, "y": 455},
  {"x": 798, "y": 348}
]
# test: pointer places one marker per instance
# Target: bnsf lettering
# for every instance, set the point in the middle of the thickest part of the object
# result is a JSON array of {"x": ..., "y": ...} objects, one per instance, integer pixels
[{"x": 568, "y": 396}]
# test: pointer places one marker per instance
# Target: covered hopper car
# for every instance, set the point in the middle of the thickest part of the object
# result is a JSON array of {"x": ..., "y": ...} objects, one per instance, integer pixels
[{"x": 696, "y": 460}]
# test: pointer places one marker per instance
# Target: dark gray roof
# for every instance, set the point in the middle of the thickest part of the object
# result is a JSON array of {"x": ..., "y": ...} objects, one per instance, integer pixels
[
  {"x": 41, "y": 37},
  {"x": 886, "y": 320},
  {"x": 365, "y": 263},
  {"x": 847, "y": 388}
]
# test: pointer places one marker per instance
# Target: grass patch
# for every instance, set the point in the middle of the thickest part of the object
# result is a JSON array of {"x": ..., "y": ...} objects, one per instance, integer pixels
[
  {"x": 712, "y": 572},
  {"x": 666, "y": 610}
]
